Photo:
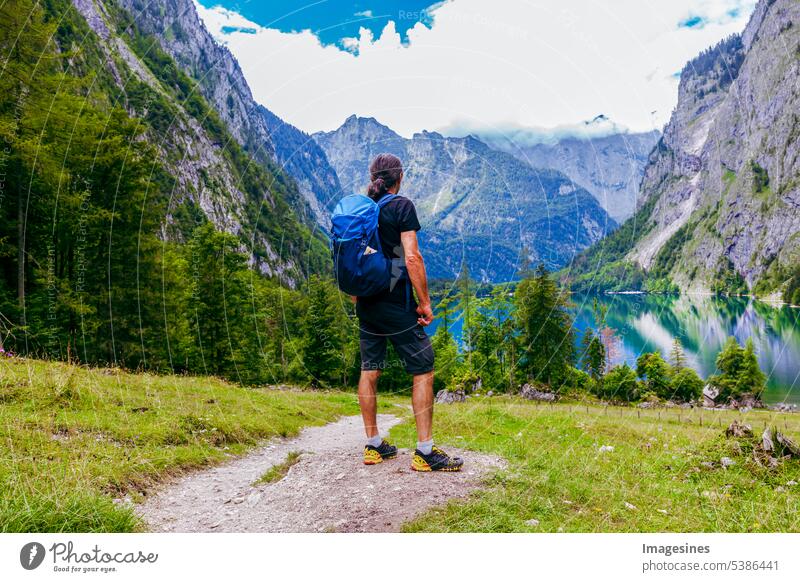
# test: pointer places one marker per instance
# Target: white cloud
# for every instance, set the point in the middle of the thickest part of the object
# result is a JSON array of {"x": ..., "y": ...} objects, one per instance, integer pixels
[{"x": 515, "y": 63}]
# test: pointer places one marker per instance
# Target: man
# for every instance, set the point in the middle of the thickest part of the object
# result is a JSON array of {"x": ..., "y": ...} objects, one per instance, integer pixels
[{"x": 395, "y": 315}]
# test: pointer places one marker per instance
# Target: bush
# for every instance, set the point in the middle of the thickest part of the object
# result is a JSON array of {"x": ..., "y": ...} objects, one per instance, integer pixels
[
  {"x": 655, "y": 373},
  {"x": 686, "y": 385},
  {"x": 619, "y": 384},
  {"x": 578, "y": 380},
  {"x": 740, "y": 373}
]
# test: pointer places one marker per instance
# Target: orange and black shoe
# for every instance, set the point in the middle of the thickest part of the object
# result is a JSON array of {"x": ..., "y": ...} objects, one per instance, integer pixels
[
  {"x": 438, "y": 460},
  {"x": 375, "y": 455}
]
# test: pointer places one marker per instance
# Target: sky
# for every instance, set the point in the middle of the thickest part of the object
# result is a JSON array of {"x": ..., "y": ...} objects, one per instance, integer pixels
[{"x": 461, "y": 66}]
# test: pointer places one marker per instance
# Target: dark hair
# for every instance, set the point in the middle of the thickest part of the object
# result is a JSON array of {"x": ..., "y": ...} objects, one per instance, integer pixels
[{"x": 385, "y": 171}]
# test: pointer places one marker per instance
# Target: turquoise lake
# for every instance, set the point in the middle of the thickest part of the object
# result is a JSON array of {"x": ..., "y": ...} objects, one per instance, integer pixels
[{"x": 644, "y": 323}]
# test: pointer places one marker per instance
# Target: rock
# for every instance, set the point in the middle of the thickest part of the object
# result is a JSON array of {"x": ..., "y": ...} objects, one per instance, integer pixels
[
  {"x": 766, "y": 441},
  {"x": 664, "y": 511},
  {"x": 445, "y": 396},
  {"x": 738, "y": 430},
  {"x": 530, "y": 393},
  {"x": 707, "y": 464},
  {"x": 784, "y": 407},
  {"x": 791, "y": 483},
  {"x": 710, "y": 394},
  {"x": 786, "y": 446},
  {"x": 532, "y": 522},
  {"x": 490, "y": 393},
  {"x": 606, "y": 449},
  {"x": 726, "y": 462},
  {"x": 631, "y": 506}
]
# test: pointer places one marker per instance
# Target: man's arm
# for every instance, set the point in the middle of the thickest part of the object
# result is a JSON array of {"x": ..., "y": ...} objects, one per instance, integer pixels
[{"x": 416, "y": 272}]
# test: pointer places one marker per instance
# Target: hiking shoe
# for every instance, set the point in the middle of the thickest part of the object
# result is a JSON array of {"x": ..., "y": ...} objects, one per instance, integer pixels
[
  {"x": 438, "y": 460},
  {"x": 375, "y": 455}
]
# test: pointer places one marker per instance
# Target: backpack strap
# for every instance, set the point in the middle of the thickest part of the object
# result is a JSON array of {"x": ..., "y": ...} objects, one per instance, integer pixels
[{"x": 386, "y": 199}]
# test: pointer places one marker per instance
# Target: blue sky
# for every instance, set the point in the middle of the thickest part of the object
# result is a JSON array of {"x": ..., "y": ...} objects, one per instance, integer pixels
[
  {"x": 331, "y": 21},
  {"x": 470, "y": 65}
]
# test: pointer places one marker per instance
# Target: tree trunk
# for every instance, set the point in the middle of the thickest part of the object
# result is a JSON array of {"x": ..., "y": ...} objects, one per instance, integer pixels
[{"x": 21, "y": 257}]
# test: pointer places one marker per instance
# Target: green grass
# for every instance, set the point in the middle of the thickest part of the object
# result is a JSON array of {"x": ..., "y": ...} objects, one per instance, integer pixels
[
  {"x": 556, "y": 473},
  {"x": 278, "y": 472},
  {"x": 72, "y": 439}
]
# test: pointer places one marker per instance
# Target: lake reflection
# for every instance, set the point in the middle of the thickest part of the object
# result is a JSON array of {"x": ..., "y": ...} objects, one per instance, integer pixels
[{"x": 651, "y": 322}]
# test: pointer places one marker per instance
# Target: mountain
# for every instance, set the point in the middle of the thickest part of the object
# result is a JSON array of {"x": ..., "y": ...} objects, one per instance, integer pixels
[
  {"x": 474, "y": 202},
  {"x": 306, "y": 162},
  {"x": 184, "y": 37},
  {"x": 212, "y": 140},
  {"x": 609, "y": 166},
  {"x": 720, "y": 197}
]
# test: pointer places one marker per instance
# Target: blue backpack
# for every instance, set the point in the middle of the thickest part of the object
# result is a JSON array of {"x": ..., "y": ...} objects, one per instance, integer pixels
[{"x": 360, "y": 267}]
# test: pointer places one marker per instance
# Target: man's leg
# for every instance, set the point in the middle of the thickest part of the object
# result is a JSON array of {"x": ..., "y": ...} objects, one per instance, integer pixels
[
  {"x": 368, "y": 401},
  {"x": 422, "y": 402}
]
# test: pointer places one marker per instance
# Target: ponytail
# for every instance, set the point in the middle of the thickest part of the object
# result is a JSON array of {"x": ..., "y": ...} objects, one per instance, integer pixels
[{"x": 385, "y": 171}]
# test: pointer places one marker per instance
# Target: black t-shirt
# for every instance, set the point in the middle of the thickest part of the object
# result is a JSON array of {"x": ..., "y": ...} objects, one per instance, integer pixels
[{"x": 398, "y": 215}]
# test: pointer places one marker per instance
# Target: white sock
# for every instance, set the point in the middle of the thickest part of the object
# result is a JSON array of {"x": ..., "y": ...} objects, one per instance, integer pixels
[
  {"x": 425, "y": 447},
  {"x": 375, "y": 441}
]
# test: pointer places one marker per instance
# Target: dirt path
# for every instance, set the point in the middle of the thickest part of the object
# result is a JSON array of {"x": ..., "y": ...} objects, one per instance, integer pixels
[{"x": 329, "y": 489}]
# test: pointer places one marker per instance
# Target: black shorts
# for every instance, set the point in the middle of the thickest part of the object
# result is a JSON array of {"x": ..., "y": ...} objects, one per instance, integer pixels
[{"x": 382, "y": 320}]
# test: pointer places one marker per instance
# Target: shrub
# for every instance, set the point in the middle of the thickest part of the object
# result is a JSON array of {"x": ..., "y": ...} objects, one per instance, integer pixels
[
  {"x": 739, "y": 371},
  {"x": 655, "y": 373},
  {"x": 686, "y": 385},
  {"x": 619, "y": 384}
]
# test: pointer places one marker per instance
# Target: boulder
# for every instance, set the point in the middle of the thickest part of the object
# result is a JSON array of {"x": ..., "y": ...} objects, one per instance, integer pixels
[
  {"x": 449, "y": 397},
  {"x": 531, "y": 393},
  {"x": 738, "y": 430},
  {"x": 709, "y": 396}
]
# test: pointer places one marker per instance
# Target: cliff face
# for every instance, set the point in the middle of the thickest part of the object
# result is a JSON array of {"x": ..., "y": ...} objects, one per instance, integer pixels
[
  {"x": 205, "y": 132},
  {"x": 609, "y": 167},
  {"x": 184, "y": 37},
  {"x": 723, "y": 185},
  {"x": 475, "y": 203}
]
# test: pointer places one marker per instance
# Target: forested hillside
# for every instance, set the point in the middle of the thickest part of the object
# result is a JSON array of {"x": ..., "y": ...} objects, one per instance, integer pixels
[
  {"x": 134, "y": 228},
  {"x": 720, "y": 197}
]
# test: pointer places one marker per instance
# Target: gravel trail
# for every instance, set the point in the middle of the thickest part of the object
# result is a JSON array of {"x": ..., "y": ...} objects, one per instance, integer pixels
[{"x": 328, "y": 489}]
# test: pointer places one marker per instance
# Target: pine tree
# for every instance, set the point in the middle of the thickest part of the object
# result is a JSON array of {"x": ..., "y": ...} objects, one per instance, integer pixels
[
  {"x": 676, "y": 356},
  {"x": 323, "y": 345},
  {"x": 545, "y": 327},
  {"x": 750, "y": 380},
  {"x": 729, "y": 364},
  {"x": 595, "y": 358},
  {"x": 466, "y": 302}
]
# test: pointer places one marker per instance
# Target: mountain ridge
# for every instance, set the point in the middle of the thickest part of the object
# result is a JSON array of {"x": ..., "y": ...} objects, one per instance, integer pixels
[
  {"x": 184, "y": 36},
  {"x": 720, "y": 203},
  {"x": 609, "y": 166},
  {"x": 475, "y": 203}
]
